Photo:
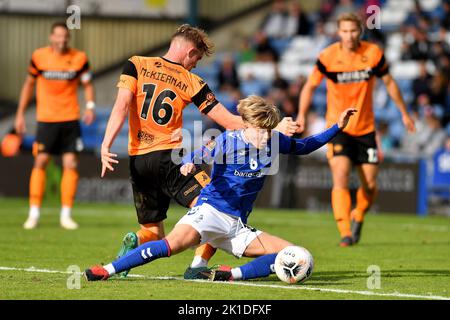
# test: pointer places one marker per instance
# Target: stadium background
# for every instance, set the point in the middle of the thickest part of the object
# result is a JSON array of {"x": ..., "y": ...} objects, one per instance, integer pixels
[{"x": 253, "y": 55}]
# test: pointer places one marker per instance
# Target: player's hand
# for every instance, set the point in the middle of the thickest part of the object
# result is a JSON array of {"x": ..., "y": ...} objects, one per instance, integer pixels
[
  {"x": 187, "y": 168},
  {"x": 301, "y": 123},
  {"x": 89, "y": 116},
  {"x": 19, "y": 124},
  {"x": 107, "y": 160},
  {"x": 345, "y": 117},
  {"x": 287, "y": 126},
  {"x": 409, "y": 123}
]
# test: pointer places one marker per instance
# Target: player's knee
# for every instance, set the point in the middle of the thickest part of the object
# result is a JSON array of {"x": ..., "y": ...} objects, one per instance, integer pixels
[
  {"x": 70, "y": 164},
  {"x": 40, "y": 165},
  {"x": 41, "y": 161},
  {"x": 340, "y": 178},
  {"x": 182, "y": 237},
  {"x": 177, "y": 243},
  {"x": 71, "y": 167},
  {"x": 340, "y": 183}
]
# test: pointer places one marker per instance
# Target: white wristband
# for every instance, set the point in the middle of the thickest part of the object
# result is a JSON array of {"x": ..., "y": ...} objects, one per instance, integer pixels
[{"x": 90, "y": 105}]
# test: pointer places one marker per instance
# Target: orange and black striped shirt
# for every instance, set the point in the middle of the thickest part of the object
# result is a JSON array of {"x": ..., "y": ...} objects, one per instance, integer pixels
[
  {"x": 350, "y": 83},
  {"x": 58, "y": 77},
  {"x": 162, "y": 90}
]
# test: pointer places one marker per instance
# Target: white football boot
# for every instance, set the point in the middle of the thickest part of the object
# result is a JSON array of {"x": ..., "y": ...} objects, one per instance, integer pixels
[
  {"x": 68, "y": 223},
  {"x": 31, "y": 223}
]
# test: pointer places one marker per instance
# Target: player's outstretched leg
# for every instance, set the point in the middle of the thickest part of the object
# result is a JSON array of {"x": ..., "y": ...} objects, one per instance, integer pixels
[
  {"x": 179, "y": 239},
  {"x": 133, "y": 239},
  {"x": 199, "y": 264},
  {"x": 141, "y": 255},
  {"x": 260, "y": 267}
]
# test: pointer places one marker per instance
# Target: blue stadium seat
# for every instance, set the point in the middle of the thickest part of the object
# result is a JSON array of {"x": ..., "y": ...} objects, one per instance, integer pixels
[
  {"x": 227, "y": 101},
  {"x": 280, "y": 45},
  {"x": 319, "y": 102},
  {"x": 207, "y": 71},
  {"x": 439, "y": 184},
  {"x": 27, "y": 141},
  {"x": 254, "y": 86},
  {"x": 404, "y": 84},
  {"x": 190, "y": 115},
  {"x": 396, "y": 129},
  {"x": 89, "y": 135},
  {"x": 392, "y": 111}
]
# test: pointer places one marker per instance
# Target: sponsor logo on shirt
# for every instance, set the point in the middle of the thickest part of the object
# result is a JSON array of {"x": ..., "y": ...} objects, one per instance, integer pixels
[
  {"x": 59, "y": 75},
  {"x": 243, "y": 174},
  {"x": 145, "y": 137}
]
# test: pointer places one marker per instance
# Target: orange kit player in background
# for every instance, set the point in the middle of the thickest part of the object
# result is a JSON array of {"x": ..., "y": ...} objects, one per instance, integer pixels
[
  {"x": 350, "y": 67},
  {"x": 58, "y": 71},
  {"x": 153, "y": 91}
]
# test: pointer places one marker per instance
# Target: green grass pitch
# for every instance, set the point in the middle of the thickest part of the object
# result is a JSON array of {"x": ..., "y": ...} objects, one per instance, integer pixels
[{"x": 412, "y": 254}]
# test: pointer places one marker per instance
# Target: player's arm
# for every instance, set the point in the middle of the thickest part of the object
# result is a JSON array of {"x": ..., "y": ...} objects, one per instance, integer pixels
[
  {"x": 89, "y": 93},
  {"x": 117, "y": 118},
  {"x": 229, "y": 121},
  {"x": 395, "y": 94},
  {"x": 287, "y": 126},
  {"x": 306, "y": 95},
  {"x": 225, "y": 118},
  {"x": 312, "y": 143},
  {"x": 25, "y": 96},
  {"x": 206, "y": 154}
]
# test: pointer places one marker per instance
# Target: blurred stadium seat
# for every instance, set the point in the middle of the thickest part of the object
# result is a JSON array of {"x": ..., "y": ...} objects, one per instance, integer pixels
[{"x": 439, "y": 184}]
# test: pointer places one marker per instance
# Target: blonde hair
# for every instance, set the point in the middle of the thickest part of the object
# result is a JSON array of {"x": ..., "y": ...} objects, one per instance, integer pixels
[
  {"x": 197, "y": 36},
  {"x": 350, "y": 16},
  {"x": 258, "y": 112}
]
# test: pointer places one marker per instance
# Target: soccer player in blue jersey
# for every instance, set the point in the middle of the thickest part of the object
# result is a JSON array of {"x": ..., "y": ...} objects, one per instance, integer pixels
[{"x": 241, "y": 160}]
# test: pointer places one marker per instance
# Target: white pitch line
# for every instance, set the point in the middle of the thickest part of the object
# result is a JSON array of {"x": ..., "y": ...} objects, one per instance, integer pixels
[{"x": 341, "y": 291}]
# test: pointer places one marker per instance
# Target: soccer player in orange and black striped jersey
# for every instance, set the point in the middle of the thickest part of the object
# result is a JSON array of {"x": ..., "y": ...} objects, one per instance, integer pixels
[
  {"x": 153, "y": 91},
  {"x": 350, "y": 67},
  {"x": 58, "y": 71}
]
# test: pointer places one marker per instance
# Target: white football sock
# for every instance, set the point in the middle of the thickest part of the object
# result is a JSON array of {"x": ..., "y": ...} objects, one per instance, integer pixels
[
  {"x": 110, "y": 269},
  {"x": 237, "y": 273},
  {"x": 34, "y": 212},
  {"x": 199, "y": 262},
  {"x": 65, "y": 212}
]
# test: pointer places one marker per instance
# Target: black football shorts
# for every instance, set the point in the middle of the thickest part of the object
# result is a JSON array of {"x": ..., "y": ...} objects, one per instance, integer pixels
[
  {"x": 360, "y": 149},
  {"x": 58, "y": 137},
  {"x": 156, "y": 179}
]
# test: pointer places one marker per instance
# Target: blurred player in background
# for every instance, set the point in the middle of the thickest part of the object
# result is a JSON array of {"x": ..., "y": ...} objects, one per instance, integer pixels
[
  {"x": 350, "y": 67},
  {"x": 153, "y": 91},
  {"x": 57, "y": 70},
  {"x": 241, "y": 160}
]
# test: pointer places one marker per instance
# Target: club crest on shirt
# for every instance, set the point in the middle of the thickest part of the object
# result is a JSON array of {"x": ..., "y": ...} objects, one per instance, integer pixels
[{"x": 210, "y": 97}]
